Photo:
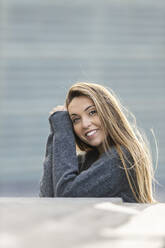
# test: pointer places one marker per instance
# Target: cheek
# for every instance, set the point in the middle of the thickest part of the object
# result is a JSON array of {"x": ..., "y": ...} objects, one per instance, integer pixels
[
  {"x": 97, "y": 121},
  {"x": 77, "y": 130},
  {"x": 99, "y": 124}
]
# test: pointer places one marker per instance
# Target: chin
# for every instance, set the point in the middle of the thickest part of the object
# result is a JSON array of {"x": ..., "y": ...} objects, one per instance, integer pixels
[{"x": 96, "y": 144}]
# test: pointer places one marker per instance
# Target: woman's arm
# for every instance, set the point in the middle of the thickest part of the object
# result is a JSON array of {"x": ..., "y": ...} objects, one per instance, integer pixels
[
  {"x": 46, "y": 184},
  {"x": 104, "y": 178}
]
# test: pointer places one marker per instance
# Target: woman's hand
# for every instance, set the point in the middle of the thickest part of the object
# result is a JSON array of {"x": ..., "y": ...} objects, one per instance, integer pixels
[{"x": 58, "y": 108}]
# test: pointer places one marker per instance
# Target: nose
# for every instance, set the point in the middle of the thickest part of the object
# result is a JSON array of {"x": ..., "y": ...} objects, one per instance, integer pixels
[{"x": 86, "y": 122}]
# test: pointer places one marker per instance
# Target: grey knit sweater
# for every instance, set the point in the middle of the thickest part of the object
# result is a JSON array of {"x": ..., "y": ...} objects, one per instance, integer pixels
[{"x": 67, "y": 175}]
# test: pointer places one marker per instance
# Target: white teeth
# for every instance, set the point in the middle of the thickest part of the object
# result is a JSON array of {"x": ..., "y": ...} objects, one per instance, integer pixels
[{"x": 91, "y": 133}]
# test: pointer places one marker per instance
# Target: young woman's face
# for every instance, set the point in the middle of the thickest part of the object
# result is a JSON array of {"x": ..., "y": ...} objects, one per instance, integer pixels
[{"x": 86, "y": 122}]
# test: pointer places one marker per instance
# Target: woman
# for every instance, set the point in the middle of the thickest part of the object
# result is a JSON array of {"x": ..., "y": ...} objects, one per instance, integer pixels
[{"x": 113, "y": 159}]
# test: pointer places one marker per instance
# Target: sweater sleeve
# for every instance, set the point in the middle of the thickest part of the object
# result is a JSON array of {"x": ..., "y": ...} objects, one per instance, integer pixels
[
  {"x": 46, "y": 183},
  {"x": 105, "y": 177}
]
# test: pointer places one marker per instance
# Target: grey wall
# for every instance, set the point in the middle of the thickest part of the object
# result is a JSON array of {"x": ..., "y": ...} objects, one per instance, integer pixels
[{"x": 46, "y": 46}]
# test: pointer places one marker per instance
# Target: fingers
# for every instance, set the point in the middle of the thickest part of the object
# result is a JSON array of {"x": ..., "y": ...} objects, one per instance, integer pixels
[{"x": 58, "y": 108}]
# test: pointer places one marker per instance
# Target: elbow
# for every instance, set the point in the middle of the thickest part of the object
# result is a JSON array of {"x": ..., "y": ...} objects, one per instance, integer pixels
[
  {"x": 45, "y": 194},
  {"x": 45, "y": 191},
  {"x": 63, "y": 194},
  {"x": 65, "y": 191}
]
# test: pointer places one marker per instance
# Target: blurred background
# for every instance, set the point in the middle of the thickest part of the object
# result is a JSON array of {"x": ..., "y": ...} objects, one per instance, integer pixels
[{"x": 46, "y": 46}]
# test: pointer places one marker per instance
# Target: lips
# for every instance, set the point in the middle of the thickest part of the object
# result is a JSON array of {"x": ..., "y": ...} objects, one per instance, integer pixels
[{"x": 90, "y": 133}]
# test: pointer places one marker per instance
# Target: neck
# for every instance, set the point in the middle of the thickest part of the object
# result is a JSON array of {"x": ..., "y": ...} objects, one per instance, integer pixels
[{"x": 101, "y": 150}]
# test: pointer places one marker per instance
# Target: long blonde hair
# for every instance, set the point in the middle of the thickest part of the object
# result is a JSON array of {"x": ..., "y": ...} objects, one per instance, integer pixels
[{"x": 121, "y": 133}]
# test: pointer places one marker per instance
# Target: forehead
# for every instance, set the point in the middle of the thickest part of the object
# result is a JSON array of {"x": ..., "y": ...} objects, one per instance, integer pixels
[{"x": 79, "y": 104}]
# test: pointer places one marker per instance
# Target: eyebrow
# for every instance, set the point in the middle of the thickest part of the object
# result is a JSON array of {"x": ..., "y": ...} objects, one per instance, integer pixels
[{"x": 90, "y": 106}]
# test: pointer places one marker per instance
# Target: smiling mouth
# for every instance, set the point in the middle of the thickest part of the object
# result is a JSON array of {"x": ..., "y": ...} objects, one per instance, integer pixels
[{"x": 90, "y": 133}]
